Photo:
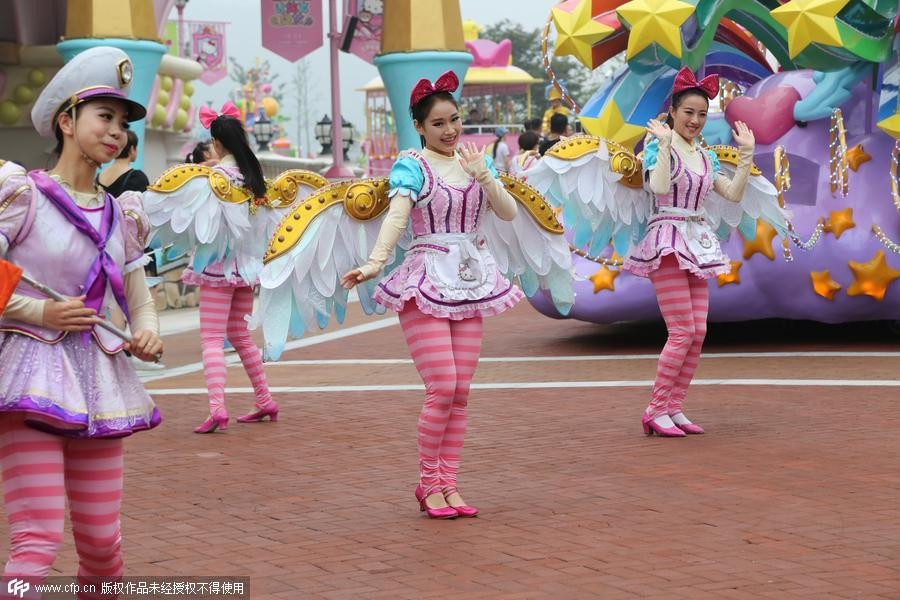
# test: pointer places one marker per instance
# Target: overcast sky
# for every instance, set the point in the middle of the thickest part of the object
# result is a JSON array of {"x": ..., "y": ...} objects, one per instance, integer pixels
[{"x": 244, "y": 43}]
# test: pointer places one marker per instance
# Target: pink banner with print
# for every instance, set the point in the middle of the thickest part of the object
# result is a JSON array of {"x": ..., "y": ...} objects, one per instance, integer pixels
[
  {"x": 208, "y": 49},
  {"x": 292, "y": 28},
  {"x": 367, "y": 17}
]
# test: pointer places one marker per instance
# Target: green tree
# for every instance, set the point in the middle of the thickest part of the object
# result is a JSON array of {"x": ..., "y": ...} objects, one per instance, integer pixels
[{"x": 526, "y": 54}]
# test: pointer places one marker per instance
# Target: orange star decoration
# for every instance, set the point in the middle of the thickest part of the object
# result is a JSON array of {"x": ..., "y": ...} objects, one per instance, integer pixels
[
  {"x": 762, "y": 243},
  {"x": 732, "y": 276},
  {"x": 823, "y": 284},
  {"x": 604, "y": 279},
  {"x": 839, "y": 221},
  {"x": 873, "y": 277},
  {"x": 857, "y": 156}
]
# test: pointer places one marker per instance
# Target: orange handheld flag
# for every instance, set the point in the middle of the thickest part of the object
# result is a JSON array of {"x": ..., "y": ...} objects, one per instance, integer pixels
[{"x": 9, "y": 279}]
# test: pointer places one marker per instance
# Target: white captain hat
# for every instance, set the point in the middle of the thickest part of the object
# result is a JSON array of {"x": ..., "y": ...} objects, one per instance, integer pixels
[{"x": 99, "y": 72}]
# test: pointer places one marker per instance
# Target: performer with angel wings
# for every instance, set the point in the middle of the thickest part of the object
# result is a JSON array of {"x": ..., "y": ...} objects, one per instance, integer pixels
[
  {"x": 222, "y": 216},
  {"x": 450, "y": 232},
  {"x": 68, "y": 393},
  {"x": 671, "y": 237}
]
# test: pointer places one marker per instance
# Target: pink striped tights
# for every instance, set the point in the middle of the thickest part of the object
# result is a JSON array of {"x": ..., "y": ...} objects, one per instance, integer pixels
[
  {"x": 445, "y": 353},
  {"x": 39, "y": 471},
  {"x": 684, "y": 302},
  {"x": 222, "y": 311}
]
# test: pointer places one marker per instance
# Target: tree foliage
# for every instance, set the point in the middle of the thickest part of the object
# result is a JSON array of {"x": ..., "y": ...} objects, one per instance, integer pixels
[{"x": 580, "y": 82}]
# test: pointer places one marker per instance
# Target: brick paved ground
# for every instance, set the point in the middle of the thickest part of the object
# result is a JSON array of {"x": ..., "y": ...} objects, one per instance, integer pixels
[{"x": 792, "y": 494}]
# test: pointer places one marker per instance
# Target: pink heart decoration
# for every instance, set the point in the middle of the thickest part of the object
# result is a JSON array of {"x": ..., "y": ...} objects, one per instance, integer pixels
[{"x": 769, "y": 115}]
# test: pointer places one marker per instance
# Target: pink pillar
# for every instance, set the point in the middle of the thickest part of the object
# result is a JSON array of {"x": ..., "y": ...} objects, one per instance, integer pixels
[{"x": 337, "y": 170}]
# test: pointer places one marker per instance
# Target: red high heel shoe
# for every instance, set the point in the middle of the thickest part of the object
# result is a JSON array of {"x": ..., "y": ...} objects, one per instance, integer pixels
[
  {"x": 213, "y": 422},
  {"x": 270, "y": 410},
  {"x": 445, "y": 512},
  {"x": 651, "y": 427},
  {"x": 464, "y": 510}
]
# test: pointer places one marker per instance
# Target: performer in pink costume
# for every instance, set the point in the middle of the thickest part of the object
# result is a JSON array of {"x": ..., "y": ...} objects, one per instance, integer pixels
[
  {"x": 226, "y": 281},
  {"x": 680, "y": 252},
  {"x": 447, "y": 283},
  {"x": 68, "y": 393}
]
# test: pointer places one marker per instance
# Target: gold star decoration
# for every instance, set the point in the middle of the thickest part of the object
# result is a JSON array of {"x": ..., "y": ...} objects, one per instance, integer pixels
[
  {"x": 823, "y": 284},
  {"x": 611, "y": 125},
  {"x": 872, "y": 278},
  {"x": 577, "y": 32},
  {"x": 857, "y": 156},
  {"x": 810, "y": 21},
  {"x": 891, "y": 126},
  {"x": 839, "y": 221},
  {"x": 656, "y": 21},
  {"x": 762, "y": 243},
  {"x": 604, "y": 279},
  {"x": 732, "y": 276}
]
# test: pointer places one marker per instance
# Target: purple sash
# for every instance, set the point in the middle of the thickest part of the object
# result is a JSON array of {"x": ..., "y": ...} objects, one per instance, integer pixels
[{"x": 104, "y": 269}]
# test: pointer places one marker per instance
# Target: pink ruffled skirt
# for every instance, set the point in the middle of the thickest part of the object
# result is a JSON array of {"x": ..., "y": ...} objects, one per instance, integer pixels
[{"x": 410, "y": 282}]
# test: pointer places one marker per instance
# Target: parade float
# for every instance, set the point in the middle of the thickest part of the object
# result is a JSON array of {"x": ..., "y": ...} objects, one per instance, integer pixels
[{"x": 817, "y": 81}]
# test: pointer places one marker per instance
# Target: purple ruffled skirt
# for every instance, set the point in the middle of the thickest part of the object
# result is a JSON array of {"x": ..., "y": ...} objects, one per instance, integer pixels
[{"x": 72, "y": 389}]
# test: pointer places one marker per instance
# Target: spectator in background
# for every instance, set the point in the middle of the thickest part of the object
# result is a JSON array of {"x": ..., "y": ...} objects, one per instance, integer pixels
[
  {"x": 528, "y": 153},
  {"x": 500, "y": 151},
  {"x": 119, "y": 176},
  {"x": 559, "y": 127},
  {"x": 533, "y": 125},
  {"x": 473, "y": 117},
  {"x": 556, "y": 108},
  {"x": 202, "y": 154}
]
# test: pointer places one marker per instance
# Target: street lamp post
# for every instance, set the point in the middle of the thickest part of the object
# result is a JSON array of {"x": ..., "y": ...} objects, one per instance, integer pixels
[
  {"x": 262, "y": 131},
  {"x": 179, "y": 5},
  {"x": 338, "y": 170},
  {"x": 323, "y": 134}
]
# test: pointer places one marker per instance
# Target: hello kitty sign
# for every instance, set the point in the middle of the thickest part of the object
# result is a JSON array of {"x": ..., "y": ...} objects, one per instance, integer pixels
[
  {"x": 368, "y": 16},
  {"x": 292, "y": 28},
  {"x": 208, "y": 49}
]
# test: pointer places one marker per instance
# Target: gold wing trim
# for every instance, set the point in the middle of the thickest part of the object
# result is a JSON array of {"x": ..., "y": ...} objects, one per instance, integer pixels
[
  {"x": 282, "y": 192},
  {"x": 575, "y": 147},
  {"x": 624, "y": 162},
  {"x": 363, "y": 200},
  {"x": 621, "y": 159},
  {"x": 729, "y": 154},
  {"x": 176, "y": 177},
  {"x": 533, "y": 202}
]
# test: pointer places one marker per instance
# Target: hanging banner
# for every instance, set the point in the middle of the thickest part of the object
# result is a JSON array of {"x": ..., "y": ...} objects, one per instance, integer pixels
[
  {"x": 362, "y": 30},
  {"x": 208, "y": 49},
  {"x": 292, "y": 28},
  {"x": 170, "y": 37}
]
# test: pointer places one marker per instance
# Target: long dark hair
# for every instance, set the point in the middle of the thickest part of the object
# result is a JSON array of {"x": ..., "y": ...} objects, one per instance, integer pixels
[
  {"x": 678, "y": 98},
  {"x": 496, "y": 143},
  {"x": 420, "y": 109},
  {"x": 131, "y": 141},
  {"x": 198, "y": 154},
  {"x": 233, "y": 138}
]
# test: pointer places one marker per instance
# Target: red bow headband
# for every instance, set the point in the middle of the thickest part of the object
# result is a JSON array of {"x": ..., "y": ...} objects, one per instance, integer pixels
[
  {"x": 685, "y": 80},
  {"x": 208, "y": 115},
  {"x": 448, "y": 82}
]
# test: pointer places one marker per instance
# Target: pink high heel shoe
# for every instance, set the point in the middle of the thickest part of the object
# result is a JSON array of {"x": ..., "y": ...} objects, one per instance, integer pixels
[
  {"x": 271, "y": 411},
  {"x": 463, "y": 510},
  {"x": 651, "y": 427},
  {"x": 689, "y": 428},
  {"x": 213, "y": 422},
  {"x": 445, "y": 512}
]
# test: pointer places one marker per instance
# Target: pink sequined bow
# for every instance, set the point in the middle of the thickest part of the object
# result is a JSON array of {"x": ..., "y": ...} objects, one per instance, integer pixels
[
  {"x": 208, "y": 115},
  {"x": 448, "y": 82},
  {"x": 686, "y": 80}
]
